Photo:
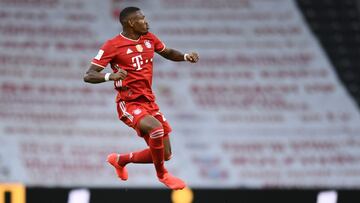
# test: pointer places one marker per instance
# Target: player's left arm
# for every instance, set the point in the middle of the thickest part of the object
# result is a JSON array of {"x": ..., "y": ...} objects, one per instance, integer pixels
[{"x": 175, "y": 55}]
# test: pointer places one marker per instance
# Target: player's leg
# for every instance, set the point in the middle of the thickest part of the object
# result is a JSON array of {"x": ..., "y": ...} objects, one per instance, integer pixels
[
  {"x": 151, "y": 126},
  {"x": 167, "y": 130},
  {"x": 119, "y": 161},
  {"x": 126, "y": 112},
  {"x": 167, "y": 148},
  {"x": 144, "y": 156}
]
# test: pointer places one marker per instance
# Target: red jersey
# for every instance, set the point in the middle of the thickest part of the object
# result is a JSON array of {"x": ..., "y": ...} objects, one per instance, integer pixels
[{"x": 134, "y": 56}]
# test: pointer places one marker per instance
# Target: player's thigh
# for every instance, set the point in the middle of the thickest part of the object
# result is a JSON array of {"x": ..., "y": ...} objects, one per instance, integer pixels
[{"x": 136, "y": 116}]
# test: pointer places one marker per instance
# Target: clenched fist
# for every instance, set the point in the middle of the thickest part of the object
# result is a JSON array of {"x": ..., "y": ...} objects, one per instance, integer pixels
[
  {"x": 120, "y": 75},
  {"x": 192, "y": 57}
]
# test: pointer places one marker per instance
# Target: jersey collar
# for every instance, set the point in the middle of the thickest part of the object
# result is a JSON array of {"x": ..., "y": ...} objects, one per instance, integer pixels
[{"x": 129, "y": 38}]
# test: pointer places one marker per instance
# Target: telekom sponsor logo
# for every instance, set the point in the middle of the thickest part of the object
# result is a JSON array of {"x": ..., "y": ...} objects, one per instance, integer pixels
[{"x": 137, "y": 62}]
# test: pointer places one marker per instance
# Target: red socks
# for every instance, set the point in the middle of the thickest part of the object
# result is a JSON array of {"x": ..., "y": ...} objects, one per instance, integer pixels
[
  {"x": 143, "y": 156},
  {"x": 154, "y": 154},
  {"x": 157, "y": 150}
]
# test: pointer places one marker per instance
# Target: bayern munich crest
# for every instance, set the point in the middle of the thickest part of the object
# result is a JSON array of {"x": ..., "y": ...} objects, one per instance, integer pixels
[
  {"x": 147, "y": 44},
  {"x": 137, "y": 111}
]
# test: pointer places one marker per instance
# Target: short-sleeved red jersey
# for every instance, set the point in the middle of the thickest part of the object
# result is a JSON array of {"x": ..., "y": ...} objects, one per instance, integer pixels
[{"x": 134, "y": 56}]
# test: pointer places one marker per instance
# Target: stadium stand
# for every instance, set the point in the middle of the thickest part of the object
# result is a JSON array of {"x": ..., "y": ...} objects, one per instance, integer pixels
[{"x": 337, "y": 26}]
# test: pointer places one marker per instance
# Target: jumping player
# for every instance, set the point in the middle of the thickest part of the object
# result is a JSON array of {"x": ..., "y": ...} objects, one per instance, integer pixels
[{"x": 130, "y": 55}]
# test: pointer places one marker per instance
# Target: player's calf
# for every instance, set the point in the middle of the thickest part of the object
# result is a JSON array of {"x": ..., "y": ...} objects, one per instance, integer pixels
[{"x": 167, "y": 155}]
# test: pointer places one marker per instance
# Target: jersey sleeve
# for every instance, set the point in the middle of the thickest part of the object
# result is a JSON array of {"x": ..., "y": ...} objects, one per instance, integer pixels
[
  {"x": 158, "y": 44},
  {"x": 106, "y": 53}
]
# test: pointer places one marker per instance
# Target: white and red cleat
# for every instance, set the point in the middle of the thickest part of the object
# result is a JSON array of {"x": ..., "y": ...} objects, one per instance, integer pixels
[{"x": 121, "y": 171}]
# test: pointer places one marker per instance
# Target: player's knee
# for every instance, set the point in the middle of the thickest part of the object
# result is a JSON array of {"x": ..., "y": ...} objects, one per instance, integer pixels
[{"x": 148, "y": 124}]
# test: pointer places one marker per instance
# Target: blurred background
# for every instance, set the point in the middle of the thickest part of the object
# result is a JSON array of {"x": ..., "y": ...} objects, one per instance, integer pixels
[{"x": 269, "y": 114}]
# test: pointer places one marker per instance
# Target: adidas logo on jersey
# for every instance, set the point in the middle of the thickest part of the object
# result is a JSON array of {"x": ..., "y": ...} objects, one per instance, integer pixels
[{"x": 129, "y": 51}]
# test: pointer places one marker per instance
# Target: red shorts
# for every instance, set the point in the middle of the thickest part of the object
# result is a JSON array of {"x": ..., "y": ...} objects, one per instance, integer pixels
[{"x": 131, "y": 112}]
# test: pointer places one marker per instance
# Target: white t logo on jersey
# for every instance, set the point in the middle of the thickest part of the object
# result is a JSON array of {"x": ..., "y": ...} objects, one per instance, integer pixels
[{"x": 137, "y": 62}]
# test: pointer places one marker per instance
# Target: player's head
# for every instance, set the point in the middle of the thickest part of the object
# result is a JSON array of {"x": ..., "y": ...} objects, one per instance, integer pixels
[{"x": 133, "y": 18}]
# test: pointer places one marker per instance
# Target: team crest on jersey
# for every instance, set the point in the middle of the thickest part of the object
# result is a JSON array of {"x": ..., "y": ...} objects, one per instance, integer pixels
[
  {"x": 139, "y": 48},
  {"x": 147, "y": 44},
  {"x": 137, "y": 111}
]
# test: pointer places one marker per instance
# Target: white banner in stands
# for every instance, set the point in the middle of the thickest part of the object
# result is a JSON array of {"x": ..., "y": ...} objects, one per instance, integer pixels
[{"x": 262, "y": 108}]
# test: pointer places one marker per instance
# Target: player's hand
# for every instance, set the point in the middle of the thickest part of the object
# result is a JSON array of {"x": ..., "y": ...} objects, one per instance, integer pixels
[
  {"x": 120, "y": 75},
  {"x": 192, "y": 57}
]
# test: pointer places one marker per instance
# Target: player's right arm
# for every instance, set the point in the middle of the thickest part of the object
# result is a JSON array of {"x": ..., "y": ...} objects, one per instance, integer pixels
[
  {"x": 99, "y": 62},
  {"x": 94, "y": 75}
]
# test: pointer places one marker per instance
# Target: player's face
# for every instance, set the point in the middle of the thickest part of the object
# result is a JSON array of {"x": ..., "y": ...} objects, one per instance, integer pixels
[{"x": 140, "y": 25}]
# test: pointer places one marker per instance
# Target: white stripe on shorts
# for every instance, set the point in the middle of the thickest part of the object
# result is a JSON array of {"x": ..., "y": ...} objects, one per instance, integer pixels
[{"x": 125, "y": 113}]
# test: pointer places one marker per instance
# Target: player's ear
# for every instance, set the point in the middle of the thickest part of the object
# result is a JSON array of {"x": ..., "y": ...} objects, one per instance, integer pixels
[{"x": 130, "y": 22}]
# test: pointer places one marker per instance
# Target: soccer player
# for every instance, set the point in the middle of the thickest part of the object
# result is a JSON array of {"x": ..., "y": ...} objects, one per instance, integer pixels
[{"x": 130, "y": 55}]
